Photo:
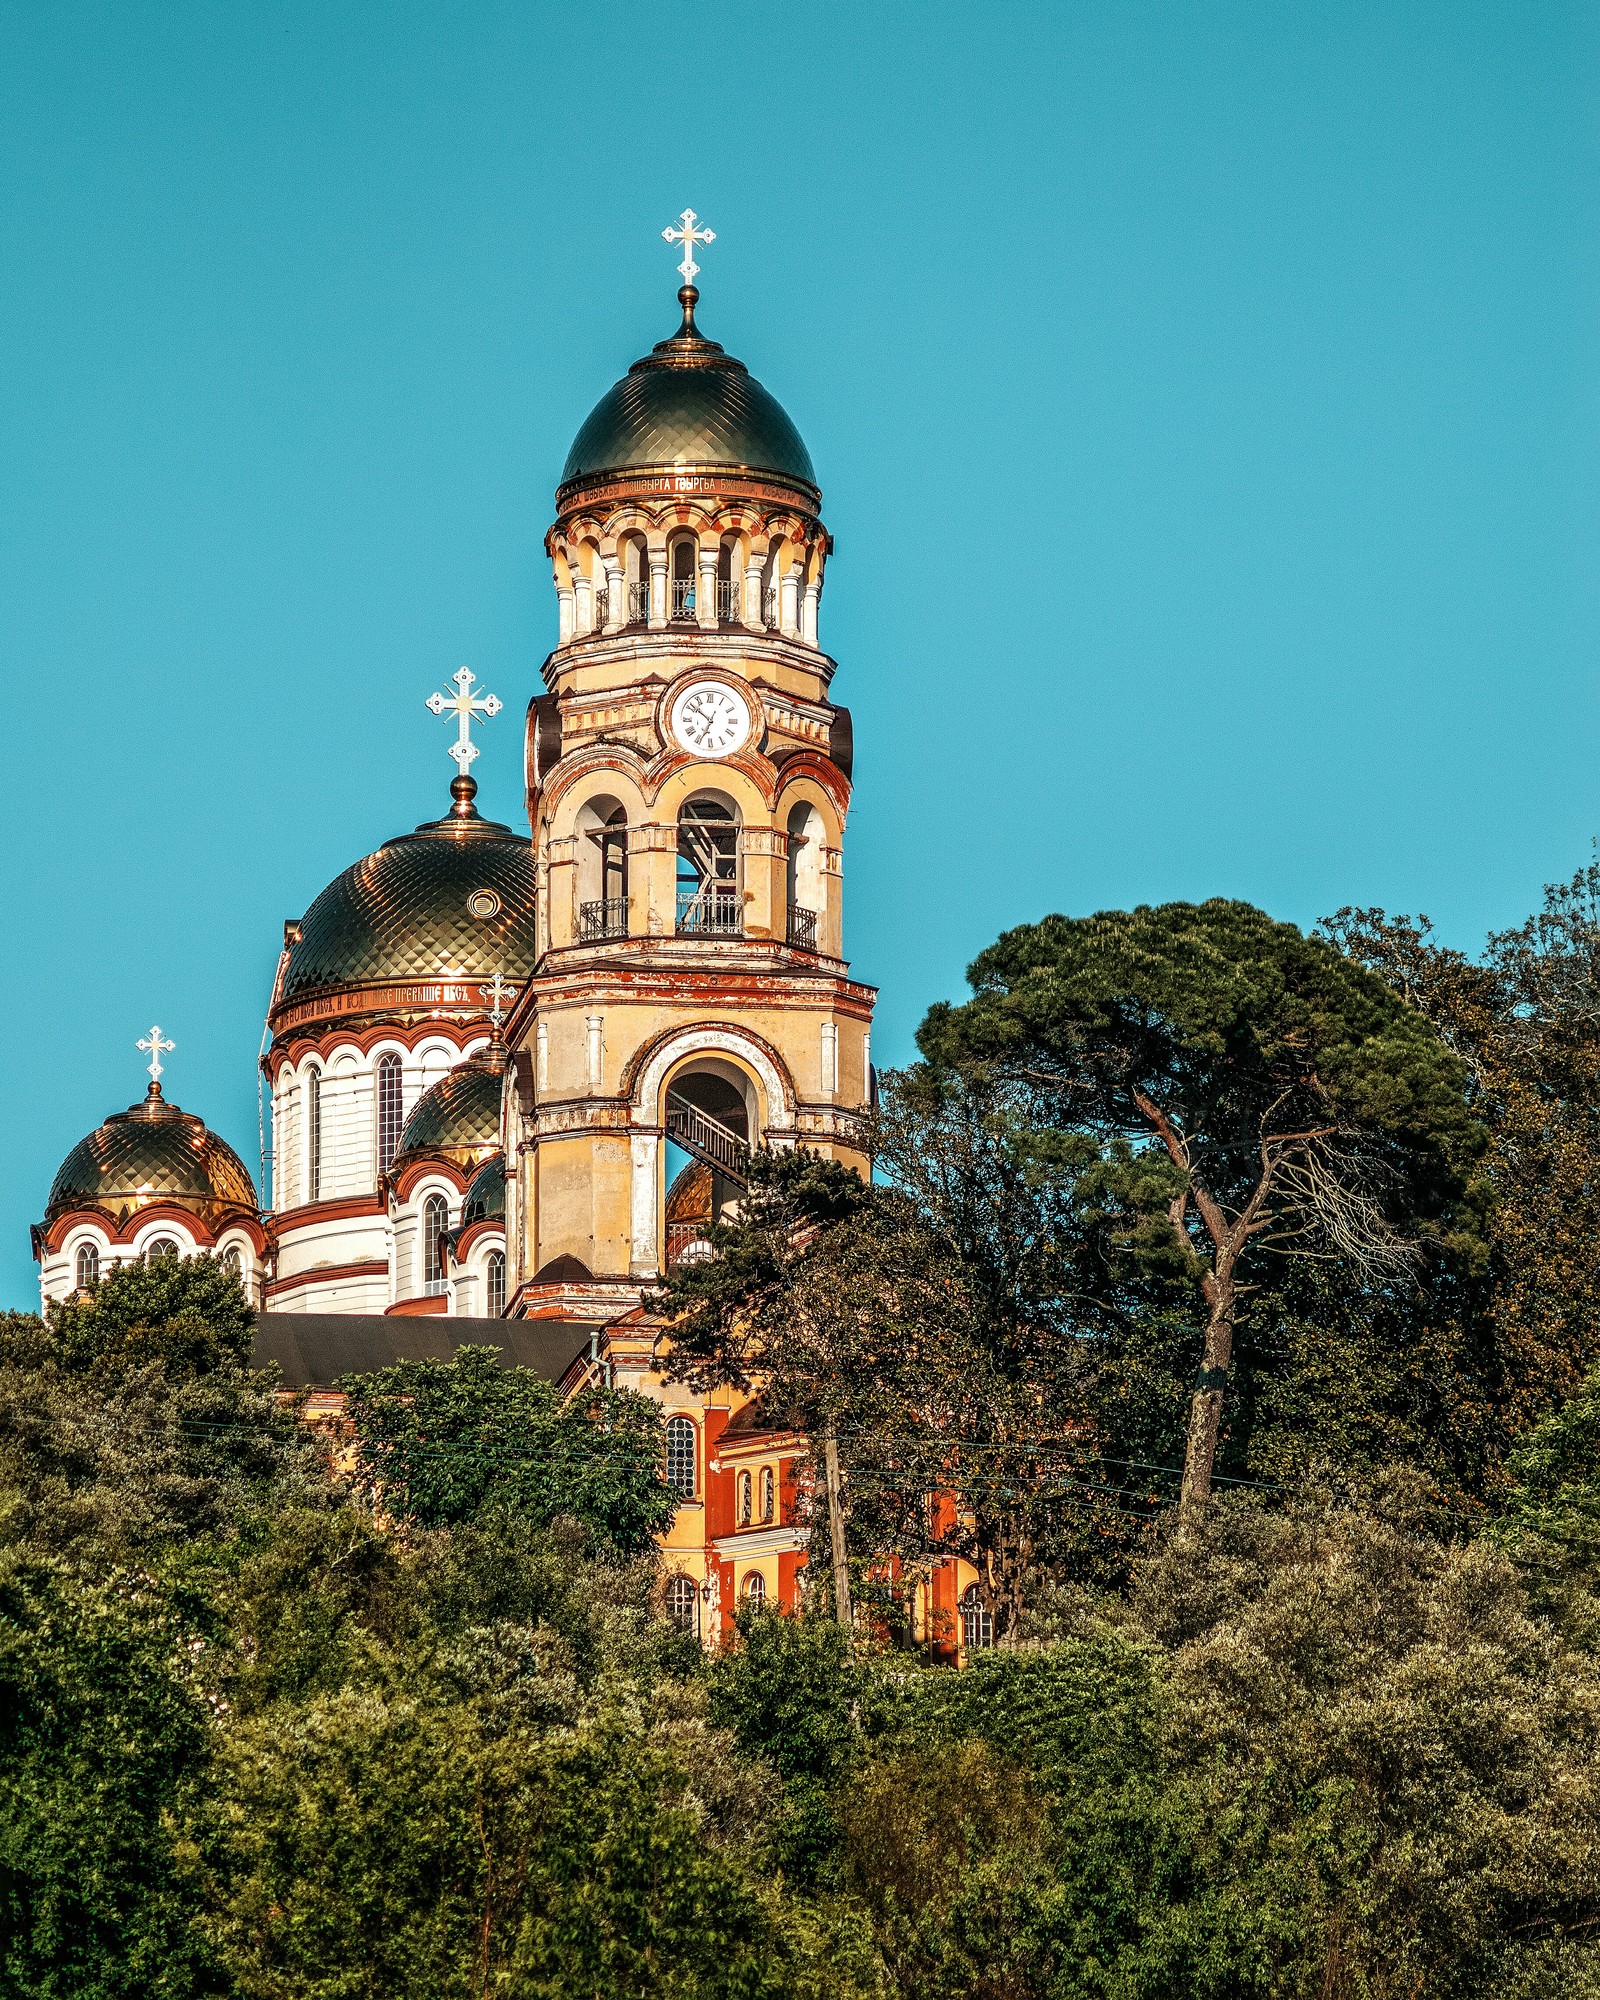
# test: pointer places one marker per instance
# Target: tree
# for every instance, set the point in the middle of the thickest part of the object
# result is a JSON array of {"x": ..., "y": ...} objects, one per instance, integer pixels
[
  {"x": 444, "y": 1441},
  {"x": 1243, "y": 1083}
]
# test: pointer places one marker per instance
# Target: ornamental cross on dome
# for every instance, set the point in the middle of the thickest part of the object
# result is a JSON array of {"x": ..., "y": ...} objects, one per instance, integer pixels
[
  {"x": 155, "y": 1048},
  {"x": 497, "y": 993},
  {"x": 464, "y": 705},
  {"x": 691, "y": 238}
]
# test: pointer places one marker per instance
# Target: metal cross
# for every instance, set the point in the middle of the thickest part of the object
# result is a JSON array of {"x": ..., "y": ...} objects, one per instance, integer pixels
[
  {"x": 464, "y": 705},
  {"x": 498, "y": 993},
  {"x": 690, "y": 237},
  {"x": 156, "y": 1049}
]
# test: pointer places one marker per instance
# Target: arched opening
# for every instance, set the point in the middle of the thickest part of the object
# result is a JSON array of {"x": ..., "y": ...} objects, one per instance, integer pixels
[
  {"x": 684, "y": 574},
  {"x": 602, "y": 828},
  {"x": 728, "y": 606},
  {"x": 711, "y": 1118},
  {"x": 86, "y": 1267},
  {"x": 636, "y": 579},
  {"x": 435, "y": 1224},
  {"x": 494, "y": 1284},
  {"x": 391, "y": 1116},
  {"x": 755, "y": 1590},
  {"x": 769, "y": 1494},
  {"x": 163, "y": 1246},
  {"x": 745, "y": 1502},
  {"x": 681, "y": 1457},
  {"x": 709, "y": 902},
  {"x": 806, "y": 887}
]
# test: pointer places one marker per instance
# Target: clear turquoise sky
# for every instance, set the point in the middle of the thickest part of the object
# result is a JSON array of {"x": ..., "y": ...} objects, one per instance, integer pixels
[{"x": 1204, "y": 398}]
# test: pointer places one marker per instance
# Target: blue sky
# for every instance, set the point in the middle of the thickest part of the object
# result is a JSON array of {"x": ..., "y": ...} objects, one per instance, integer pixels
[{"x": 1204, "y": 398}]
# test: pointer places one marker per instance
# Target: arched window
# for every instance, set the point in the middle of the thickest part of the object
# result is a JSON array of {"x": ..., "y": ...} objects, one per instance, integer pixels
[
  {"x": 685, "y": 564},
  {"x": 602, "y": 827},
  {"x": 755, "y": 1590},
  {"x": 87, "y": 1267},
  {"x": 744, "y": 1499},
  {"x": 163, "y": 1246},
  {"x": 708, "y": 869},
  {"x": 806, "y": 888},
  {"x": 435, "y": 1221},
  {"x": 390, "y": 1116},
  {"x": 769, "y": 1494},
  {"x": 495, "y": 1284},
  {"x": 313, "y": 1134},
  {"x": 683, "y": 1604},
  {"x": 977, "y": 1625},
  {"x": 681, "y": 1457},
  {"x": 233, "y": 1263}
]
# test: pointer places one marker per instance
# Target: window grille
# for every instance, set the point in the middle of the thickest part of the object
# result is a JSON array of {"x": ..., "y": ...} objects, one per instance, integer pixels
[
  {"x": 683, "y": 1604},
  {"x": 744, "y": 1499},
  {"x": 390, "y": 1116},
  {"x": 88, "y": 1266},
  {"x": 977, "y": 1624},
  {"x": 435, "y": 1220},
  {"x": 681, "y": 1457},
  {"x": 496, "y": 1284},
  {"x": 314, "y": 1135},
  {"x": 755, "y": 1590},
  {"x": 769, "y": 1494}
]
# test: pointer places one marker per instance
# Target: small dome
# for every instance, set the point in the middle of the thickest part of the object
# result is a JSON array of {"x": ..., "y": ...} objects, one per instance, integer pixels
[
  {"x": 151, "y": 1152},
  {"x": 460, "y": 1115},
  {"x": 453, "y": 900},
  {"x": 485, "y": 1198},
  {"x": 688, "y": 403}
]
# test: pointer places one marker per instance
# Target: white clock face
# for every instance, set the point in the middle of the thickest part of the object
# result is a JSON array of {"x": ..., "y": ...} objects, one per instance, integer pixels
[{"x": 710, "y": 719}]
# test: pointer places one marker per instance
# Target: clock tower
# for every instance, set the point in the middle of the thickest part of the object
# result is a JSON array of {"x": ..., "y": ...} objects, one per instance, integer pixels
[{"x": 688, "y": 785}]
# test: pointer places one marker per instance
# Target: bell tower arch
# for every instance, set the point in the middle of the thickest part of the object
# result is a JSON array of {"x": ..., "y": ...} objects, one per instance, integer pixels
[{"x": 688, "y": 787}]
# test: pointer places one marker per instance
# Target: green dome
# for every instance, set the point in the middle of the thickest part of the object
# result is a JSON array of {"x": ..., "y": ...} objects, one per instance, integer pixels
[
  {"x": 485, "y": 1198},
  {"x": 151, "y": 1152},
  {"x": 687, "y": 403},
  {"x": 460, "y": 1115},
  {"x": 455, "y": 900}
]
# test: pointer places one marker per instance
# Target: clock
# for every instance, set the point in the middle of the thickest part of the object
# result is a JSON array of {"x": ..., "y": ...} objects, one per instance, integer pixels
[{"x": 710, "y": 719}]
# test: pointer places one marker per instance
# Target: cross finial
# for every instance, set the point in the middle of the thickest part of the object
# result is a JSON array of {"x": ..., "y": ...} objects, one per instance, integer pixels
[
  {"x": 464, "y": 705},
  {"x": 690, "y": 237},
  {"x": 497, "y": 993},
  {"x": 156, "y": 1048}
]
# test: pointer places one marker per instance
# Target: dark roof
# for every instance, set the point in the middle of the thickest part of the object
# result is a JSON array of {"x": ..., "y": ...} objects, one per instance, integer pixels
[
  {"x": 688, "y": 403},
  {"x": 314, "y": 1349}
]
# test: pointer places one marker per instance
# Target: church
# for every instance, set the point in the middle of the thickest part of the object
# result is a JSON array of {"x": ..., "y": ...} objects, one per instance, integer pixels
[{"x": 510, "y": 1079}]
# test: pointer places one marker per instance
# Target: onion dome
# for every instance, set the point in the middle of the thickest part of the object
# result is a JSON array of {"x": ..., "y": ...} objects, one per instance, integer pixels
[
  {"x": 454, "y": 900},
  {"x": 686, "y": 405},
  {"x": 152, "y": 1152},
  {"x": 485, "y": 1198},
  {"x": 460, "y": 1116}
]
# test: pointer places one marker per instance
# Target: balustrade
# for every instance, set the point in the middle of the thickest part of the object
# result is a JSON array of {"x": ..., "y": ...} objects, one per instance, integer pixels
[{"x": 605, "y": 919}]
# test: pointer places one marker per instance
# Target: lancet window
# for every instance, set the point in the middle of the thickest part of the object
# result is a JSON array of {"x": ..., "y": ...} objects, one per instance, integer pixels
[
  {"x": 495, "y": 1284},
  {"x": 391, "y": 1116},
  {"x": 977, "y": 1623},
  {"x": 435, "y": 1221},
  {"x": 313, "y": 1134},
  {"x": 87, "y": 1268},
  {"x": 744, "y": 1499},
  {"x": 769, "y": 1494}
]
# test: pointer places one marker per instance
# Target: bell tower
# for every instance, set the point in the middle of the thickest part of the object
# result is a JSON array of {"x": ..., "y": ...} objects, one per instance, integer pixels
[{"x": 688, "y": 786}]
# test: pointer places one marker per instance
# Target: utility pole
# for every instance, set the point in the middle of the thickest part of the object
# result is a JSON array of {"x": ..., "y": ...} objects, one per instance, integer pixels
[{"x": 841, "y": 1566}]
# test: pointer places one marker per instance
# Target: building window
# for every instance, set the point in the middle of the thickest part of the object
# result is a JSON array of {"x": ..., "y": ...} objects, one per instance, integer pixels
[
  {"x": 87, "y": 1267},
  {"x": 495, "y": 1283},
  {"x": 769, "y": 1494},
  {"x": 683, "y": 1604},
  {"x": 233, "y": 1263},
  {"x": 977, "y": 1624},
  {"x": 755, "y": 1590},
  {"x": 163, "y": 1246},
  {"x": 744, "y": 1499},
  {"x": 435, "y": 1221},
  {"x": 313, "y": 1134},
  {"x": 390, "y": 1118},
  {"x": 681, "y": 1457}
]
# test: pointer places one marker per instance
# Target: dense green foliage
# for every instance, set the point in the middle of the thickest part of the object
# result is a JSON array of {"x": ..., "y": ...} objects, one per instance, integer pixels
[{"x": 405, "y": 1719}]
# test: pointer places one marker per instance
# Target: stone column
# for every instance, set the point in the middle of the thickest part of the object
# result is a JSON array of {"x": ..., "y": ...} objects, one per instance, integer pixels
[
  {"x": 566, "y": 599},
  {"x": 705, "y": 595},
  {"x": 616, "y": 594},
  {"x": 594, "y": 1026},
  {"x": 808, "y": 622},
  {"x": 658, "y": 590},
  {"x": 789, "y": 604},
  {"x": 753, "y": 616},
  {"x": 583, "y": 590},
  {"x": 645, "y": 1148}
]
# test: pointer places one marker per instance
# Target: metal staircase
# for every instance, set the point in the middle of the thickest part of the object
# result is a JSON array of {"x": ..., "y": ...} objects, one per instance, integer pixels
[{"x": 703, "y": 1137}]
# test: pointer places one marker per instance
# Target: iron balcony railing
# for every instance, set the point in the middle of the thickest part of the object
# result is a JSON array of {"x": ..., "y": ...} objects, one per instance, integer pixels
[
  {"x": 711, "y": 915},
  {"x": 802, "y": 928},
  {"x": 682, "y": 599},
  {"x": 728, "y": 602},
  {"x": 687, "y": 1243},
  {"x": 706, "y": 1138},
  {"x": 638, "y": 604},
  {"x": 608, "y": 919}
]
